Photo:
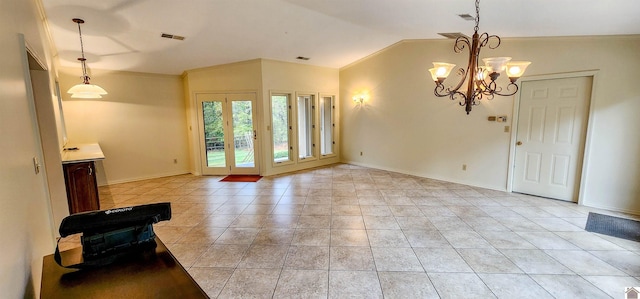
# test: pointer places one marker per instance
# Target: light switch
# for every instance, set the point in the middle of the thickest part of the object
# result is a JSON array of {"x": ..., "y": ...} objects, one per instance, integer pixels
[{"x": 36, "y": 165}]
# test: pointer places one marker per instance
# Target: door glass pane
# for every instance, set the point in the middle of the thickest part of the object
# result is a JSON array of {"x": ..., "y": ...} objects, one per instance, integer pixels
[
  {"x": 280, "y": 127},
  {"x": 213, "y": 133},
  {"x": 243, "y": 133},
  {"x": 326, "y": 126},
  {"x": 305, "y": 126}
]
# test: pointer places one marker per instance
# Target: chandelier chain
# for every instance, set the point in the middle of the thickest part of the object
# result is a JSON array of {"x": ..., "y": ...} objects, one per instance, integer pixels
[{"x": 476, "y": 28}]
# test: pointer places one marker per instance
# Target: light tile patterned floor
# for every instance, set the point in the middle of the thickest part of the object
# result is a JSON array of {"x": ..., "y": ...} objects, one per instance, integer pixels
[{"x": 351, "y": 232}]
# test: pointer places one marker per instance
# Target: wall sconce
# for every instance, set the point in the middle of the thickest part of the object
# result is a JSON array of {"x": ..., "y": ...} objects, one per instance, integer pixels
[{"x": 358, "y": 99}]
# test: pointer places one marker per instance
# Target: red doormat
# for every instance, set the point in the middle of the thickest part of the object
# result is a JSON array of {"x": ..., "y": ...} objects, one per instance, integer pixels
[{"x": 241, "y": 178}]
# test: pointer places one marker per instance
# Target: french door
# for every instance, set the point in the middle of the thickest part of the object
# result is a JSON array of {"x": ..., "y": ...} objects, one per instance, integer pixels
[{"x": 227, "y": 130}]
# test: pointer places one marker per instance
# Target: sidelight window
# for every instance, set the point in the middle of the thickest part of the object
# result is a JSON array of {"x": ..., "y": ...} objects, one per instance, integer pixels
[
  {"x": 306, "y": 126},
  {"x": 281, "y": 127}
]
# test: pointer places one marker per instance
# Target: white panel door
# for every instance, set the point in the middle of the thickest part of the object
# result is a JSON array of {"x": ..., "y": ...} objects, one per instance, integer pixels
[{"x": 552, "y": 121}]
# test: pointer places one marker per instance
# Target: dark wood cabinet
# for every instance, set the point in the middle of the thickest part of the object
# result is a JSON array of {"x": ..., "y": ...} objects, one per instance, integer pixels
[{"x": 82, "y": 187}]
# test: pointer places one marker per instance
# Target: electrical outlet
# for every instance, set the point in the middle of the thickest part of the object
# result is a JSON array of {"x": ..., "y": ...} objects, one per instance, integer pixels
[
  {"x": 506, "y": 129},
  {"x": 464, "y": 167}
]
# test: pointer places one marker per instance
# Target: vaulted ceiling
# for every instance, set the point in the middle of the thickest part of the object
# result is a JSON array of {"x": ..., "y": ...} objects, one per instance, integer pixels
[{"x": 126, "y": 34}]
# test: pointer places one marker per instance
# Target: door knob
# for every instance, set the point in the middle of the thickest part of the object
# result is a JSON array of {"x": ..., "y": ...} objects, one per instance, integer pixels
[{"x": 519, "y": 143}]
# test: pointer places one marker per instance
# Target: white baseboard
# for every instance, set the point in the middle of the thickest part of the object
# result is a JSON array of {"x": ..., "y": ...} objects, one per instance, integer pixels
[{"x": 129, "y": 180}]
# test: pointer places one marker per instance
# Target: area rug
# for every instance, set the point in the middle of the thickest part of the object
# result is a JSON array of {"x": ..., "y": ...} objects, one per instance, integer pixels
[
  {"x": 613, "y": 226},
  {"x": 241, "y": 178}
]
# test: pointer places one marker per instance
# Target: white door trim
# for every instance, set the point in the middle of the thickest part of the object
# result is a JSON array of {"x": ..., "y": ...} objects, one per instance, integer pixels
[
  {"x": 199, "y": 156},
  {"x": 587, "y": 141}
]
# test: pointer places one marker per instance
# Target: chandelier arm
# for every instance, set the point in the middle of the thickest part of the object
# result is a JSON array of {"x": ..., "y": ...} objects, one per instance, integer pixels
[
  {"x": 490, "y": 97},
  {"x": 461, "y": 43},
  {"x": 509, "y": 87},
  {"x": 458, "y": 96},
  {"x": 441, "y": 91},
  {"x": 482, "y": 85},
  {"x": 492, "y": 87},
  {"x": 484, "y": 39},
  {"x": 437, "y": 91},
  {"x": 477, "y": 96},
  {"x": 463, "y": 74},
  {"x": 493, "y": 41},
  {"x": 494, "y": 37},
  {"x": 491, "y": 90}
]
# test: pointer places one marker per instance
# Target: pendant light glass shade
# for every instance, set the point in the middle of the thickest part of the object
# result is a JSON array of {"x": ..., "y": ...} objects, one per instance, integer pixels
[
  {"x": 496, "y": 64},
  {"x": 515, "y": 69},
  {"x": 86, "y": 91},
  {"x": 441, "y": 70}
]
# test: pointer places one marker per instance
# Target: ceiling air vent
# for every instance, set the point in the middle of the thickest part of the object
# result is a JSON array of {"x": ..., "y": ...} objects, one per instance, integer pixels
[
  {"x": 467, "y": 17},
  {"x": 302, "y": 58},
  {"x": 172, "y": 36},
  {"x": 453, "y": 35}
]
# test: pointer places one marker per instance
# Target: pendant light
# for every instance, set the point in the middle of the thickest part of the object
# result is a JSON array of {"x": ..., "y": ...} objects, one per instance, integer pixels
[{"x": 85, "y": 90}]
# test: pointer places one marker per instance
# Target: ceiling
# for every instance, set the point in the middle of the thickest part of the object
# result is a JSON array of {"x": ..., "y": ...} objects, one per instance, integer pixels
[{"x": 125, "y": 34}]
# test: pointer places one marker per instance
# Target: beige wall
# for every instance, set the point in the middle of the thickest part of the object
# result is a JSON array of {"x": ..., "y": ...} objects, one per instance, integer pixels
[
  {"x": 140, "y": 125},
  {"x": 294, "y": 77},
  {"x": 26, "y": 229},
  {"x": 260, "y": 76},
  {"x": 404, "y": 127},
  {"x": 229, "y": 78}
]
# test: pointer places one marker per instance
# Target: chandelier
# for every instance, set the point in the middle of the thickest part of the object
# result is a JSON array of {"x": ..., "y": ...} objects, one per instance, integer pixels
[
  {"x": 85, "y": 90},
  {"x": 481, "y": 81}
]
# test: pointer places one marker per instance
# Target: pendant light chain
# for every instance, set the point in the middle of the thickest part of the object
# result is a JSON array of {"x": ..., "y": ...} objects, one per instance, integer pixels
[
  {"x": 85, "y": 76},
  {"x": 81, "y": 44}
]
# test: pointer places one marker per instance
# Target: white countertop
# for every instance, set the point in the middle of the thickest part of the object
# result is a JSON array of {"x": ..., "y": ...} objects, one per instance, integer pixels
[{"x": 83, "y": 153}]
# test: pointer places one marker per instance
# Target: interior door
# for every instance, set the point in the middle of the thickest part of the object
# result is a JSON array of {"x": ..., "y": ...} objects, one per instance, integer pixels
[
  {"x": 227, "y": 133},
  {"x": 551, "y": 129}
]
